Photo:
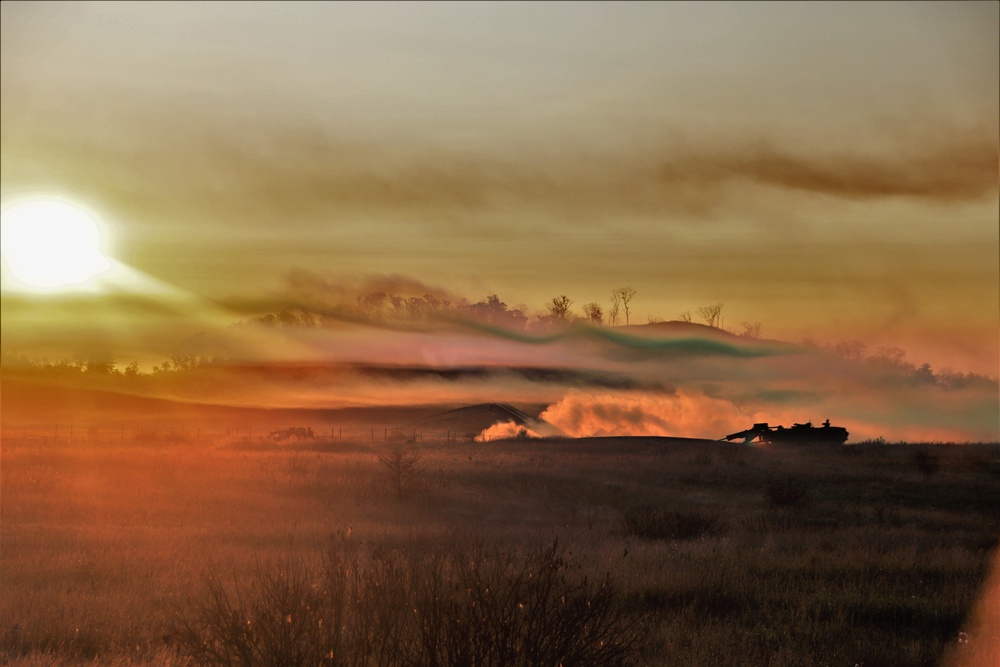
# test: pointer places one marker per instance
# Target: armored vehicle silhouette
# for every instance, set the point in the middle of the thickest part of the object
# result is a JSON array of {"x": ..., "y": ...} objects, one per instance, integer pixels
[{"x": 805, "y": 434}]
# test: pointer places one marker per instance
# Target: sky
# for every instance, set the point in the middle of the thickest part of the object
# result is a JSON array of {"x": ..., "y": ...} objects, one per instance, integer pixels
[{"x": 827, "y": 169}]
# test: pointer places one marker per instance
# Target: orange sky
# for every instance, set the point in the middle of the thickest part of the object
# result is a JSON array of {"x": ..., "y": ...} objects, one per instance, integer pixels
[{"x": 828, "y": 169}]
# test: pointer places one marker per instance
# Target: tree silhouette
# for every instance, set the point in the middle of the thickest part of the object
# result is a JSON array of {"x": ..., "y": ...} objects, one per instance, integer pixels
[
  {"x": 890, "y": 355},
  {"x": 624, "y": 295},
  {"x": 398, "y": 304},
  {"x": 417, "y": 308},
  {"x": 372, "y": 303},
  {"x": 711, "y": 314},
  {"x": 494, "y": 311},
  {"x": 100, "y": 367},
  {"x": 751, "y": 329},
  {"x": 559, "y": 307},
  {"x": 852, "y": 350},
  {"x": 594, "y": 313},
  {"x": 925, "y": 374},
  {"x": 616, "y": 304}
]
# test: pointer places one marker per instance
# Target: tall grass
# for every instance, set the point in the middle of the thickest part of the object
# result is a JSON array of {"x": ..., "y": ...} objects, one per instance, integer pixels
[
  {"x": 470, "y": 604},
  {"x": 654, "y": 523},
  {"x": 401, "y": 469},
  {"x": 107, "y": 551}
]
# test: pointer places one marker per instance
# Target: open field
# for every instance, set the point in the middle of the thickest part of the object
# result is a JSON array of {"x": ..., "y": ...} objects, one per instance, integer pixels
[
  {"x": 499, "y": 334},
  {"x": 720, "y": 554}
]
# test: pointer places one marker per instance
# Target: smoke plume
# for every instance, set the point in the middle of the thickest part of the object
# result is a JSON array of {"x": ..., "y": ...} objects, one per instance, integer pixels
[{"x": 506, "y": 431}]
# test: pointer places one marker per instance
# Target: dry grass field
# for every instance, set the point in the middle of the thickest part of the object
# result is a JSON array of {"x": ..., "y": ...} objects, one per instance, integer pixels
[{"x": 683, "y": 552}]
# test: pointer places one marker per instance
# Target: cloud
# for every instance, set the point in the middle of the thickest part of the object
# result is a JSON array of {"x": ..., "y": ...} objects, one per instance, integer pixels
[
  {"x": 307, "y": 173},
  {"x": 962, "y": 169}
]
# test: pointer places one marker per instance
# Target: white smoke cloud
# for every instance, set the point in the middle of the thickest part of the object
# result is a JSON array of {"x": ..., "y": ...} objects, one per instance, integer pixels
[
  {"x": 506, "y": 431},
  {"x": 684, "y": 414}
]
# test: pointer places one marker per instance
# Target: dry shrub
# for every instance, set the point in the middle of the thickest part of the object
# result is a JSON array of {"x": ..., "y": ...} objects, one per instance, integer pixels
[
  {"x": 276, "y": 618},
  {"x": 473, "y": 605},
  {"x": 650, "y": 522}
]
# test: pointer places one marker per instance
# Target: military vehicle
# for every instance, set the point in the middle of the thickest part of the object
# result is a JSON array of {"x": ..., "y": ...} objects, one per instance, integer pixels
[{"x": 804, "y": 434}]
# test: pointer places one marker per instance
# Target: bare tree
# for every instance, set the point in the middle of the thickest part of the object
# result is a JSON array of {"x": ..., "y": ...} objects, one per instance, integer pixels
[
  {"x": 559, "y": 307},
  {"x": 616, "y": 304},
  {"x": 751, "y": 329},
  {"x": 594, "y": 313},
  {"x": 711, "y": 314},
  {"x": 625, "y": 295},
  {"x": 685, "y": 316}
]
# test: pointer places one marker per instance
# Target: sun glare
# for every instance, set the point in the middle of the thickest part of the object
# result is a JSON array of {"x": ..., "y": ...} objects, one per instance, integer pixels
[{"x": 50, "y": 245}]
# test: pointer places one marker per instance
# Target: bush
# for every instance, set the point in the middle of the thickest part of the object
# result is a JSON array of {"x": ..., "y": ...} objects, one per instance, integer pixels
[
  {"x": 659, "y": 523},
  {"x": 474, "y": 605},
  {"x": 277, "y": 618}
]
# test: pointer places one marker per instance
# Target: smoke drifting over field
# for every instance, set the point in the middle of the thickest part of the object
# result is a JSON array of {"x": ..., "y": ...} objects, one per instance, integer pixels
[
  {"x": 686, "y": 413},
  {"x": 675, "y": 378},
  {"x": 506, "y": 431}
]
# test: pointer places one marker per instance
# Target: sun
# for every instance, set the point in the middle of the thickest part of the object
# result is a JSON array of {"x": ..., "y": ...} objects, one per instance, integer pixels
[{"x": 51, "y": 245}]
